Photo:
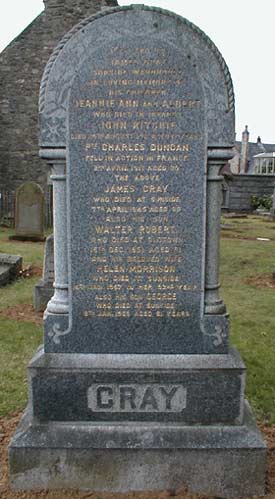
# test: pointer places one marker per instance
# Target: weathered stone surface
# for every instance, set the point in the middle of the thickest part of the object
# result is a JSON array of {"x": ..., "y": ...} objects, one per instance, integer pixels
[
  {"x": 164, "y": 142},
  {"x": 42, "y": 295},
  {"x": 44, "y": 289},
  {"x": 190, "y": 389},
  {"x": 150, "y": 313},
  {"x": 4, "y": 274},
  {"x": 48, "y": 264},
  {"x": 10, "y": 267},
  {"x": 29, "y": 213},
  {"x": 220, "y": 461}
]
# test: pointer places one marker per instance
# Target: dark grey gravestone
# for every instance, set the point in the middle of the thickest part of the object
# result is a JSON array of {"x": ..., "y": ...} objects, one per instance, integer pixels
[
  {"x": 196, "y": 389},
  {"x": 44, "y": 289},
  {"x": 137, "y": 120},
  {"x": 143, "y": 316},
  {"x": 29, "y": 213},
  {"x": 10, "y": 267}
]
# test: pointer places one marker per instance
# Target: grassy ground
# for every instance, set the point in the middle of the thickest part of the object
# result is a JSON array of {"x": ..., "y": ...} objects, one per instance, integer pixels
[
  {"x": 18, "y": 339},
  {"x": 246, "y": 270},
  {"x": 246, "y": 274},
  {"x": 31, "y": 252}
]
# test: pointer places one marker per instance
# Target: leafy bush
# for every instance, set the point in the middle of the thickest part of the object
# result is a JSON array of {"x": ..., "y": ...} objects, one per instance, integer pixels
[{"x": 264, "y": 202}]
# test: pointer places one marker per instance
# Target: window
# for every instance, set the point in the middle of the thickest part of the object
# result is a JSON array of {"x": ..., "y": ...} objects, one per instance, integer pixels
[
  {"x": 257, "y": 167},
  {"x": 264, "y": 166},
  {"x": 270, "y": 166}
]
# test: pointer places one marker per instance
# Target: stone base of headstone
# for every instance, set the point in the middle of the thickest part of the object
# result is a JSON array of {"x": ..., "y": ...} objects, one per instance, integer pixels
[
  {"x": 43, "y": 292},
  {"x": 227, "y": 461},
  {"x": 34, "y": 239},
  {"x": 210, "y": 388},
  {"x": 86, "y": 427}
]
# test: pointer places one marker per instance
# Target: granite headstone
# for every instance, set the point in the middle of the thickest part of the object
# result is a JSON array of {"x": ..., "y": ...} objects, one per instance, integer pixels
[
  {"x": 137, "y": 121},
  {"x": 129, "y": 241},
  {"x": 44, "y": 289},
  {"x": 29, "y": 213}
]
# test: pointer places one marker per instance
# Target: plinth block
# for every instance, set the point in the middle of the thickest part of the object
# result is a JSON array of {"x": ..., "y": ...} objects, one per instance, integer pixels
[
  {"x": 191, "y": 389},
  {"x": 224, "y": 461}
]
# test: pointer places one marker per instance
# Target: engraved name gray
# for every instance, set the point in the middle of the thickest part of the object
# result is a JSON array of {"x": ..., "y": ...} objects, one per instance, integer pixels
[{"x": 137, "y": 398}]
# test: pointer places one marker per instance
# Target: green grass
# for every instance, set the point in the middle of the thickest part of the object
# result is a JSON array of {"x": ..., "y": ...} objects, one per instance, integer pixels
[
  {"x": 21, "y": 291},
  {"x": 252, "y": 313},
  {"x": 32, "y": 253},
  {"x": 18, "y": 342},
  {"x": 18, "y": 293},
  {"x": 252, "y": 227},
  {"x": 251, "y": 308}
]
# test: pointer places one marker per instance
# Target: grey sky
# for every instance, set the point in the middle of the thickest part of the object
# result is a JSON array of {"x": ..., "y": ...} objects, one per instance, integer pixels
[{"x": 243, "y": 30}]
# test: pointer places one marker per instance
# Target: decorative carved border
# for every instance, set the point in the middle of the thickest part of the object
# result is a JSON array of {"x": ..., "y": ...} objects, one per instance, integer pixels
[{"x": 88, "y": 20}]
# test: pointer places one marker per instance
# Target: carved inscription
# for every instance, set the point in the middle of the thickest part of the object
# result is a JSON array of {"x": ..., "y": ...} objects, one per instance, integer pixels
[
  {"x": 137, "y": 398},
  {"x": 137, "y": 129}
]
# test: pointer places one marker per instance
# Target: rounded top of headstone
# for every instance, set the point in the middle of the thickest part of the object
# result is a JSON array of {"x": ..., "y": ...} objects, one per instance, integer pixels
[
  {"x": 144, "y": 22},
  {"x": 29, "y": 188}
]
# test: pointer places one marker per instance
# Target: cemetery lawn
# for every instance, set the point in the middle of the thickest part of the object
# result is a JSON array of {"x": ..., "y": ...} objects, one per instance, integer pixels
[
  {"x": 20, "y": 326},
  {"x": 247, "y": 289}
]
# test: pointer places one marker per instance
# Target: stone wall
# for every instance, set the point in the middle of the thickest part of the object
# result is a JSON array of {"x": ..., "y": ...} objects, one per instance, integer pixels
[
  {"x": 21, "y": 67},
  {"x": 240, "y": 188}
]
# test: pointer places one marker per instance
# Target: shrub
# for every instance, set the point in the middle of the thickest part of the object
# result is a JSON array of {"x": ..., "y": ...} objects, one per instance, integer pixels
[{"x": 264, "y": 202}]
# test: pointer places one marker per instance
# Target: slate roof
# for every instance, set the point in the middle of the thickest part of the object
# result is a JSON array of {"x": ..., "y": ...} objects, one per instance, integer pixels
[{"x": 254, "y": 148}]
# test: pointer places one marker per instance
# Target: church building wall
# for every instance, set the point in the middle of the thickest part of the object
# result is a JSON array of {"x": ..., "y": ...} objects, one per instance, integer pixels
[{"x": 21, "y": 67}]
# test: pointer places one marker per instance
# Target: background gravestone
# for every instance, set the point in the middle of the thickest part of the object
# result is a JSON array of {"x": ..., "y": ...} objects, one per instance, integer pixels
[
  {"x": 44, "y": 289},
  {"x": 136, "y": 372},
  {"x": 29, "y": 213}
]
